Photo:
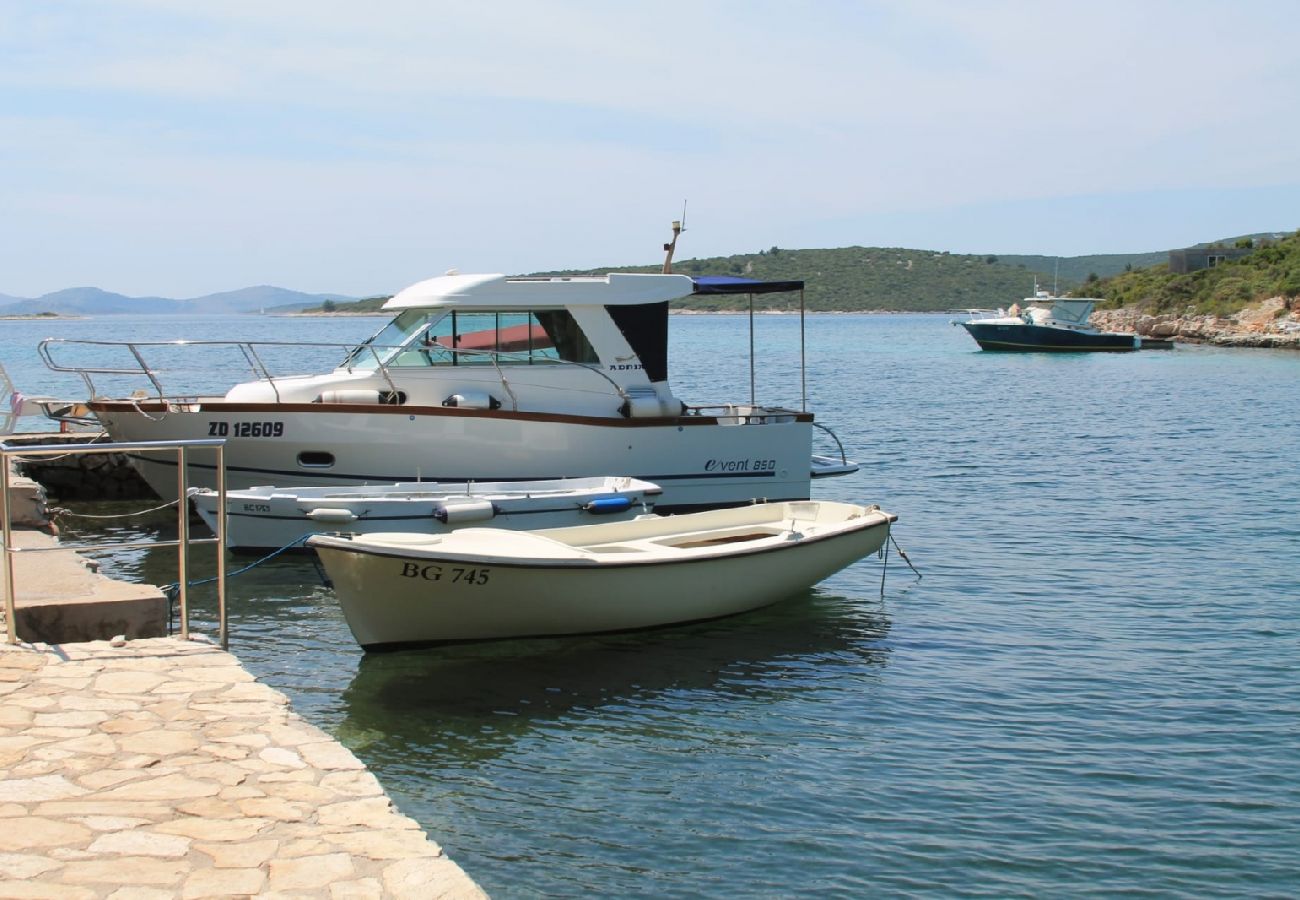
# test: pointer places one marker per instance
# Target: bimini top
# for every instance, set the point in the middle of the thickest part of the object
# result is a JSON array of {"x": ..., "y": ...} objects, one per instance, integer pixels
[
  {"x": 506, "y": 292},
  {"x": 728, "y": 284}
]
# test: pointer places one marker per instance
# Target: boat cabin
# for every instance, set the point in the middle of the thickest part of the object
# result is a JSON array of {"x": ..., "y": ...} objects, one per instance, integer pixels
[
  {"x": 582, "y": 345},
  {"x": 570, "y": 345}
]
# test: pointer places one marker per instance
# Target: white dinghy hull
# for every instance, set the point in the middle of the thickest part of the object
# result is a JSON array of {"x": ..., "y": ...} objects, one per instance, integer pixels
[
  {"x": 270, "y": 517},
  {"x": 486, "y": 584}
]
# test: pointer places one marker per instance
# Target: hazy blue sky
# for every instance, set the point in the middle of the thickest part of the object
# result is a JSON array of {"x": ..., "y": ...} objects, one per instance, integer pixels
[{"x": 181, "y": 148}]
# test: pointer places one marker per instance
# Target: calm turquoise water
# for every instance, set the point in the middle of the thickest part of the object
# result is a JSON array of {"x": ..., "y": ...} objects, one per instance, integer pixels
[{"x": 1092, "y": 691}]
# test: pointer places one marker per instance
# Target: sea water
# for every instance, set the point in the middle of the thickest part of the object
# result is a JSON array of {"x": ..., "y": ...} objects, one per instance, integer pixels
[{"x": 1092, "y": 690}]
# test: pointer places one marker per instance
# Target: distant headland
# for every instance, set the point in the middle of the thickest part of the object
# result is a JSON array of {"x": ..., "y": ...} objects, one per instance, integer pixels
[{"x": 1205, "y": 293}]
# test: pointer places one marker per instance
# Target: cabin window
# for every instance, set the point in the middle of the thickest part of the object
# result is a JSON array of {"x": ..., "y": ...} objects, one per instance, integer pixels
[
  {"x": 496, "y": 337},
  {"x": 474, "y": 338},
  {"x": 507, "y": 338},
  {"x": 435, "y": 337},
  {"x": 567, "y": 340}
]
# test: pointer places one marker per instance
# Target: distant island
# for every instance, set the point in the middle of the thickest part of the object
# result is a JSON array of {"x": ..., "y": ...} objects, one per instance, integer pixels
[
  {"x": 1249, "y": 270},
  {"x": 91, "y": 301}
]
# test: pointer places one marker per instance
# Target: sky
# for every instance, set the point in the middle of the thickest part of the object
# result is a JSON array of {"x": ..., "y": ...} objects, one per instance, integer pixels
[{"x": 175, "y": 148}]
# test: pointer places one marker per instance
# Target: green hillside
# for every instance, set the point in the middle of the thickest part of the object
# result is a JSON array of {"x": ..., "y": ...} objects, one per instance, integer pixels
[
  {"x": 1076, "y": 269},
  {"x": 848, "y": 279},
  {"x": 863, "y": 278},
  {"x": 1272, "y": 270},
  {"x": 881, "y": 278}
]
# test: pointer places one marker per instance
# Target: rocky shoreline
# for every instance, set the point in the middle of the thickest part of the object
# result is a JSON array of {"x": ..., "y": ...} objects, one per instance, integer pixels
[{"x": 1273, "y": 323}]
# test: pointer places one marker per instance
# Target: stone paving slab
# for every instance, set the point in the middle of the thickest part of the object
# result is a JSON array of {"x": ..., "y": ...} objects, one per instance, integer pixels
[{"x": 162, "y": 768}]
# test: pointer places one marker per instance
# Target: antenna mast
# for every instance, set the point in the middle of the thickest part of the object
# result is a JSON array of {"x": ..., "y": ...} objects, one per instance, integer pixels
[{"x": 678, "y": 227}]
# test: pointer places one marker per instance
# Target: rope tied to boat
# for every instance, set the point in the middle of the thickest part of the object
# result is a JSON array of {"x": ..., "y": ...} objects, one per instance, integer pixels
[
  {"x": 37, "y": 460},
  {"x": 903, "y": 554},
  {"x": 56, "y": 511},
  {"x": 884, "y": 552},
  {"x": 171, "y": 590},
  {"x": 135, "y": 402}
]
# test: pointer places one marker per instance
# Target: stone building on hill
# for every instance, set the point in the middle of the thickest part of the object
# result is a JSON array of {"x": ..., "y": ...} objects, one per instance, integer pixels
[{"x": 1194, "y": 259}]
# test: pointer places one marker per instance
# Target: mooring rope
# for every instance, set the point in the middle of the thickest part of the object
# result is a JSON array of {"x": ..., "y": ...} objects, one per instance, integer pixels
[
  {"x": 903, "y": 554},
  {"x": 56, "y": 511},
  {"x": 166, "y": 405},
  {"x": 884, "y": 551},
  {"x": 37, "y": 460},
  {"x": 174, "y": 588}
]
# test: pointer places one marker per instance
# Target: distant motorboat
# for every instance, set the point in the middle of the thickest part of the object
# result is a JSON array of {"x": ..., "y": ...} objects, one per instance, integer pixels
[
  {"x": 487, "y": 583},
  {"x": 1051, "y": 323},
  {"x": 272, "y": 517}
]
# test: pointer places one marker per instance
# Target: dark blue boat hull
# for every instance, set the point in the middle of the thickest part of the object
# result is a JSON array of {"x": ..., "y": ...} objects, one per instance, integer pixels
[{"x": 1042, "y": 338}]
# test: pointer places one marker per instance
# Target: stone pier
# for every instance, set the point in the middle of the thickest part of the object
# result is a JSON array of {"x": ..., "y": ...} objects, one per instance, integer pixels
[
  {"x": 60, "y": 595},
  {"x": 161, "y": 768},
  {"x": 153, "y": 767},
  {"x": 86, "y": 476}
]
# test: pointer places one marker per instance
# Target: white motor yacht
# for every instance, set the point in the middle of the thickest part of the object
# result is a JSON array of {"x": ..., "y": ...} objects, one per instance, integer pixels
[{"x": 479, "y": 378}]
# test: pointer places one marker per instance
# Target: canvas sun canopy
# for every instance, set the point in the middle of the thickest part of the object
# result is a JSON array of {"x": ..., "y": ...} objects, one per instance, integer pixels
[{"x": 728, "y": 284}]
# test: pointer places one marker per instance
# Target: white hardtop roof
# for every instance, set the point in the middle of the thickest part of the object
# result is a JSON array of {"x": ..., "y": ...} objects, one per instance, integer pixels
[
  {"x": 1074, "y": 310},
  {"x": 501, "y": 291},
  {"x": 1044, "y": 297}
]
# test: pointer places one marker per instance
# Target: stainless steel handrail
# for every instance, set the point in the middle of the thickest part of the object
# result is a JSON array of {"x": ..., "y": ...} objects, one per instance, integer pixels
[
  {"x": 259, "y": 369},
  {"x": 182, "y": 543},
  {"x": 843, "y": 456}
]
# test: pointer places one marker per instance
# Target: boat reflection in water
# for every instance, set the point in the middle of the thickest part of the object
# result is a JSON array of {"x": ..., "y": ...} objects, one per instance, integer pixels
[{"x": 468, "y": 703}]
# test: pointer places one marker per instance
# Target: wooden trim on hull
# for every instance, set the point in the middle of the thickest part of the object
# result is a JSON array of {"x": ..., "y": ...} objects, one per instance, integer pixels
[{"x": 211, "y": 407}]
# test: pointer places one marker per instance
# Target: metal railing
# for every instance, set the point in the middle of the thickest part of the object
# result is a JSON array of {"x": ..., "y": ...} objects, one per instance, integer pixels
[
  {"x": 183, "y": 540},
  {"x": 247, "y": 349},
  {"x": 501, "y": 361}
]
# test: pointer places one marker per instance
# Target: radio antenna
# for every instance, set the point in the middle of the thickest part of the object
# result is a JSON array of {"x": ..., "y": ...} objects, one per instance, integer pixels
[{"x": 678, "y": 227}]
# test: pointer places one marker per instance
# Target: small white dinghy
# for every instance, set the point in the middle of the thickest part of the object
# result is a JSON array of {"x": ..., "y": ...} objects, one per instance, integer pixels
[
  {"x": 272, "y": 517},
  {"x": 487, "y": 583}
]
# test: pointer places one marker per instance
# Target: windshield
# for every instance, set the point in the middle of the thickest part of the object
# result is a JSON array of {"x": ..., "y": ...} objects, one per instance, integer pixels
[
  {"x": 387, "y": 342},
  {"x": 436, "y": 337}
]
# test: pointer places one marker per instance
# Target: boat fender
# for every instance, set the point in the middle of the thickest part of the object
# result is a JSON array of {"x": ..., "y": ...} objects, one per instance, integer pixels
[
  {"x": 331, "y": 515},
  {"x": 473, "y": 400},
  {"x": 459, "y": 513},
  {"x": 349, "y": 396},
  {"x": 641, "y": 406},
  {"x": 604, "y": 505}
]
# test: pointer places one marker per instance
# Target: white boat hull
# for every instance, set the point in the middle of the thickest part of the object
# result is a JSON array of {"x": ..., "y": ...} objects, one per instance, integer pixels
[
  {"x": 400, "y": 590},
  {"x": 273, "y": 517},
  {"x": 698, "y": 461}
]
